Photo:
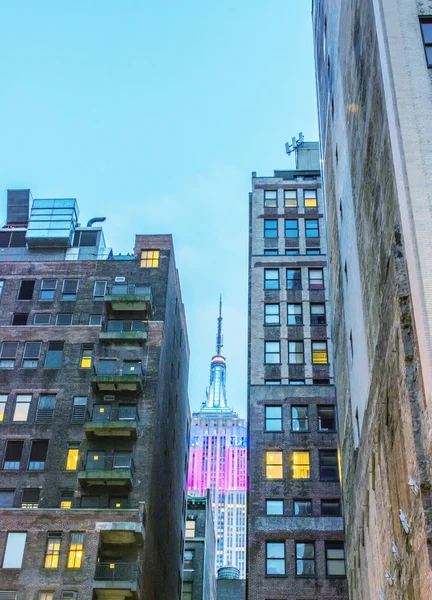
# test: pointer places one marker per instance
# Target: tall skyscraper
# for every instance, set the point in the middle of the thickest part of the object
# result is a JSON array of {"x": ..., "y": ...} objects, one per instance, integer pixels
[
  {"x": 217, "y": 462},
  {"x": 94, "y": 410},
  {"x": 374, "y": 79},
  {"x": 295, "y": 528}
]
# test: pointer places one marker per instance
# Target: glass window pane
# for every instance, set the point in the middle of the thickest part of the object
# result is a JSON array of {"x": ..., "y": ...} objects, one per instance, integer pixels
[
  {"x": 427, "y": 32},
  {"x": 271, "y": 279},
  {"x": 274, "y": 507},
  {"x": 290, "y": 198},
  {"x": 270, "y": 198},
  {"x": 291, "y": 228},
  {"x": 301, "y": 465},
  {"x": 14, "y": 553},
  {"x": 22, "y": 406},
  {"x": 270, "y": 228},
  {"x": 274, "y": 467}
]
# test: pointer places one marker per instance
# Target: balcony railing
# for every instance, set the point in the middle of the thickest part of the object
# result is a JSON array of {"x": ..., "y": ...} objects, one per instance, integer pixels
[
  {"x": 109, "y": 463},
  {"x": 117, "y": 571},
  {"x": 114, "y": 368},
  {"x": 129, "y": 297},
  {"x": 107, "y": 413},
  {"x": 130, "y": 289},
  {"x": 121, "y": 326}
]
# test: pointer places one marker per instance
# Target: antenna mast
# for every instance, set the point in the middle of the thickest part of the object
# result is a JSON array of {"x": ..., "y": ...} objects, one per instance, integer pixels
[{"x": 219, "y": 337}]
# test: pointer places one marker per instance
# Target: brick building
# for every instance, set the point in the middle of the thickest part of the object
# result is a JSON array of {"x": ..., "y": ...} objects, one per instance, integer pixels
[
  {"x": 93, "y": 408},
  {"x": 374, "y": 79},
  {"x": 295, "y": 529},
  {"x": 200, "y": 550}
]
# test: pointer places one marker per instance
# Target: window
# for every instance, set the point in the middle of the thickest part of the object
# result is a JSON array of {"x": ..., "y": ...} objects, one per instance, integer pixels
[
  {"x": 3, "y": 401},
  {"x": 274, "y": 507},
  {"x": 426, "y": 27},
  {"x": 42, "y": 319},
  {"x": 321, "y": 381},
  {"x": 275, "y": 558},
  {"x": 292, "y": 251},
  {"x": 301, "y": 464},
  {"x": 13, "y": 455},
  {"x": 79, "y": 409},
  {"x": 6, "y": 499},
  {"x": 95, "y": 320},
  {"x": 85, "y": 239},
  {"x": 22, "y": 407},
  {"x": 272, "y": 353},
  {"x": 26, "y": 289},
  {"x": 187, "y": 590},
  {"x": 69, "y": 289},
  {"x": 48, "y": 289},
  {"x": 188, "y": 558},
  {"x": 310, "y": 199},
  {"x": 46, "y": 596},
  {"x": 302, "y": 508},
  {"x": 64, "y": 319},
  {"x": 118, "y": 502},
  {"x": 330, "y": 508},
  {"x": 75, "y": 554},
  {"x": 270, "y": 198},
  {"x": 8, "y": 355},
  {"x": 54, "y": 355},
  {"x": 52, "y": 551},
  {"x": 72, "y": 457},
  {"x": 296, "y": 382},
  {"x": 335, "y": 559},
  {"x": 149, "y": 259},
  {"x": 271, "y": 252},
  {"x": 1, "y": 286},
  {"x": 131, "y": 367},
  {"x": 312, "y": 251},
  {"x": 291, "y": 228},
  {"x": 274, "y": 466},
  {"x": 328, "y": 465},
  {"x": 294, "y": 281},
  {"x": 99, "y": 290},
  {"x": 14, "y": 553},
  {"x": 319, "y": 353},
  {"x": 316, "y": 279},
  {"x": 326, "y": 418},
  {"x": 271, "y": 314},
  {"x": 270, "y": 228},
  {"x": 294, "y": 314},
  {"x": 20, "y": 319},
  {"x": 38, "y": 454},
  {"x": 290, "y": 198},
  {"x": 66, "y": 497},
  {"x": 295, "y": 353},
  {"x": 45, "y": 409},
  {"x": 86, "y": 356},
  {"x": 317, "y": 314},
  {"x": 272, "y": 382},
  {"x": 273, "y": 418},
  {"x": 271, "y": 279},
  {"x": 30, "y": 497},
  {"x": 305, "y": 559},
  {"x": 190, "y": 528},
  {"x": 299, "y": 418},
  {"x": 31, "y": 355},
  {"x": 69, "y": 595},
  {"x": 311, "y": 228}
]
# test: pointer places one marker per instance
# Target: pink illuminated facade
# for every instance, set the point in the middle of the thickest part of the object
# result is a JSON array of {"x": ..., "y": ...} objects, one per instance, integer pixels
[{"x": 218, "y": 462}]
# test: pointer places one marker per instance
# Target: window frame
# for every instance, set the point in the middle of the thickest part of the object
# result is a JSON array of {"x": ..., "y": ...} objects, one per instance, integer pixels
[
  {"x": 289, "y": 230},
  {"x": 280, "y": 501},
  {"x": 334, "y": 501},
  {"x": 296, "y": 353},
  {"x": 39, "y": 465},
  {"x": 20, "y": 444},
  {"x": 86, "y": 356},
  {"x": 308, "y": 560},
  {"x": 12, "y": 551},
  {"x": 20, "y": 286},
  {"x": 191, "y": 529},
  {"x": 328, "y": 546},
  {"x": 266, "y": 279},
  {"x": 293, "y": 197},
  {"x": 307, "y": 197},
  {"x": 62, "y": 315},
  {"x": 427, "y": 20},
  {"x": 294, "y": 314},
  {"x": 269, "y": 465},
  {"x": 72, "y": 457},
  {"x": 321, "y": 407},
  {"x": 52, "y": 550},
  {"x": 76, "y": 554},
  {"x": 42, "y": 324},
  {"x": 151, "y": 260},
  {"x": 292, "y": 287},
  {"x": 312, "y": 233},
  {"x": 63, "y": 295},
  {"x": 298, "y": 420},
  {"x": 99, "y": 297},
  {"x": 301, "y": 465},
  {"x": 51, "y": 291},
  {"x": 26, "y": 360},
  {"x": 308, "y": 501},
  {"x": 268, "y": 419},
  {"x": 274, "y": 199},
  {"x": 331, "y": 453},
  {"x": 5, "y": 358},
  {"x": 323, "y": 351},
  {"x": 269, "y": 315},
  {"x": 282, "y": 560},
  {"x": 47, "y": 354},
  {"x": 316, "y": 286},
  {"x": 314, "y": 316},
  {"x": 27, "y": 403},
  {"x": 269, "y": 229},
  {"x": 268, "y": 354},
  {"x": 3, "y": 402}
]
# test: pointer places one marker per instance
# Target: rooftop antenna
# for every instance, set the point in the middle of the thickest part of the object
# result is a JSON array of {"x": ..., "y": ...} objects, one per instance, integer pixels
[
  {"x": 295, "y": 144},
  {"x": 219, "y": 337}
]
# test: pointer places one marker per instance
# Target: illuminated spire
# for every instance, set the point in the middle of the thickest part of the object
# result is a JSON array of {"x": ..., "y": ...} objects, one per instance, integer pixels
[
  {"x": 216, "y": 394},
  {"x": 219, "y": 337}
]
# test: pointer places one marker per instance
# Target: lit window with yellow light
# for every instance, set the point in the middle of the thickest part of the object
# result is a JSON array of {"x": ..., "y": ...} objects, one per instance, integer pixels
[
  {"x": 66, "y": 504},
  {"x": 310, "y": 199},
  {"x": 149, "y": 259},
  {"x": 190, "y": 529},
  {"x": 274, "y": 465},
  {"x": 86, "y": 356},
  {"x": 301, "y": 465},
  {"x": 319, "y": 353},
  {"x": 75, "y": 554},
  {"x": 72, "y": 458},
  {"x": 52, "y": 552},
  {"x": 3, "y": 400}
]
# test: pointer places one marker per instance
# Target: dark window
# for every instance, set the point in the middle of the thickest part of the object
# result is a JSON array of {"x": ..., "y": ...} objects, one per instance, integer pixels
[
  {"x": 328, "y": 465},
  {"x": 18, "y": 239},
  {"x": 271, "y": 252},
  {"x": 54, "y": 355},
  {"x": 32, "y": 352},
  {"x": 48, "y": 289},
  {"x": 326, "y": 418},
  {"x": 95, "y": 319},
  {"x": 13, "y": 455},
  {"x": 41, "y": 319},
  {"x": 316, "y": 279},
  {"x": 270, "y": 198},
  {"x": 187, "y": 590},
  {"x": 26, "y": 289},
  {"x": 131, "y": 367},
  {"x": 69, "y": 290},
  {"x": 20, "y": 318},
  {"x": 294, "y": 314},
  {"x": 317, "y": 314},
  {"x": 273, "y": 418},
  {"x": 426, "y": 27},
  {"x": 90, "y": 502},
  {"x": 85, "y": 239},
  {"x": 64, "y": 319},
  {"x": 305, "y": 559},
  {"x": 99, "y": 290},
  {"x": 272, "y": 353},
  {"x": 311, "y": 228},
  {"x": 107, "y": 366},
  {"x": 270, "y": 228},
  {"x": 294, "y": 281},
  {"x": 38, "y": 455},
  {"x": 69, "y": 595},
  {"x": 118, "y": 502},
  {"x": 291, "y": 228},
  {"x": 7, "y": 498},
  {"x": 275, "y": 558},
  {"x": 302, "y": 508},
  {"x": 79, "y": 409},
  {"x": 271, "y": 314},
  {"x": 45, "y": 409},
  {"x": 292, "y": 252},
  {"x": 330, "y": 508},
  {"x": 274, "y": 507},
  {"x": 299, "y": 418},
  {"x": 30, "y": 497},
  {"x": 295, "y": 353},
  {"x": 335, "y": 559},
  {"x": 271, "y": 279},
  {"x": 8, "y": 354},
  {"x": 321, "y": 381}
]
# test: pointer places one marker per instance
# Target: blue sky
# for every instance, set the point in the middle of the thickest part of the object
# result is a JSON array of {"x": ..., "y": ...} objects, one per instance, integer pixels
[{"x": 154, "y": 114}]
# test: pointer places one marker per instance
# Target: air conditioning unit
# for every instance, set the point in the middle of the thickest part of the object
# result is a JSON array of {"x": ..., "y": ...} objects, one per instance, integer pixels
[
  {"x": 109, "y": 398},
  {"x": 120, "y": 279}
]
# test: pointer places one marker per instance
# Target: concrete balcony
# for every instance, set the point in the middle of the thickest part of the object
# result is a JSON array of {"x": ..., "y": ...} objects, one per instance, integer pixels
[
  {"x": 115, "y": 580},
  {"x": 112, "y": 376},
  {"x": 113, "y": 470},
  {"x": 112, "y": 422},
  {"x": 123, "y": 331},
  {"x": 123, "y": 297}
]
